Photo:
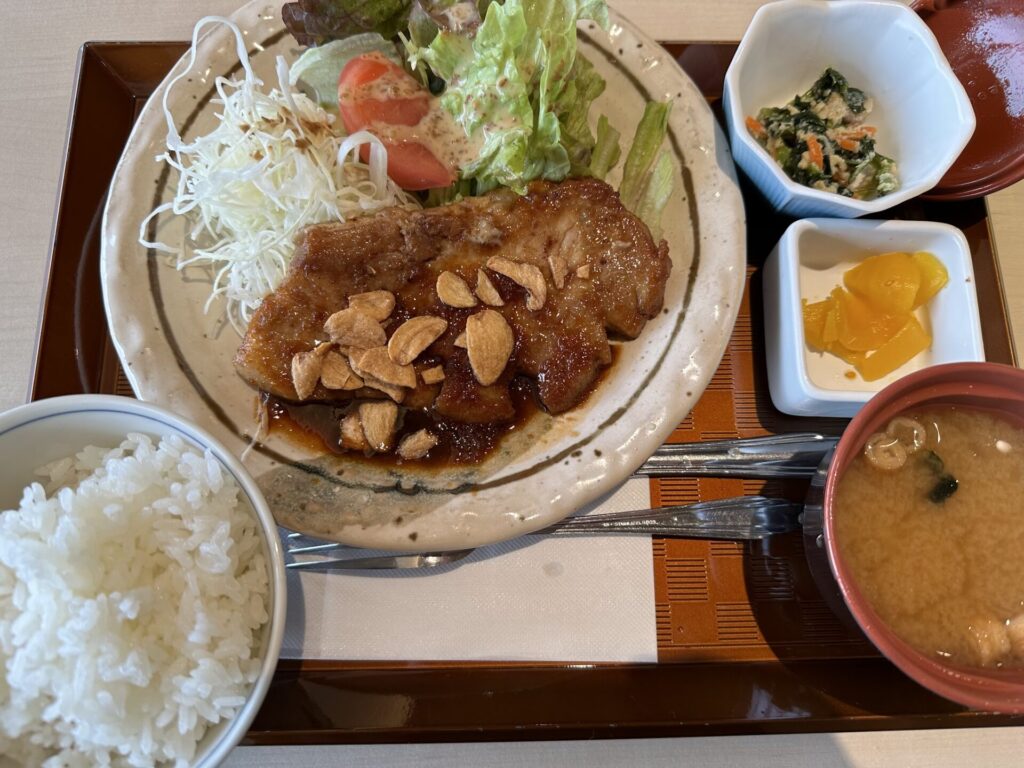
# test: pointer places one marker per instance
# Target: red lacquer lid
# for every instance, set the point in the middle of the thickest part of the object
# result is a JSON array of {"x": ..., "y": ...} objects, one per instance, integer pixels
[{"x": 984, "y": 43}]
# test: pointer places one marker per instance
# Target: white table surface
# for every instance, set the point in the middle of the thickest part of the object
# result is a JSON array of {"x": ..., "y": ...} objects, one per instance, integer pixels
[{"x": 37, "y": 64}]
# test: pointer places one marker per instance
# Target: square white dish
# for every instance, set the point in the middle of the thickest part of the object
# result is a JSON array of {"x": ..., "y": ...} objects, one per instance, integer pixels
[
  {"x": 809, "y": 261},
  {"x": 923, "y": 115}
]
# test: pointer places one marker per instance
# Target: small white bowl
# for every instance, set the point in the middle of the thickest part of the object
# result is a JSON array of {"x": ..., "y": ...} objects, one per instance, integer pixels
[
  {"x": 41, "y": 432},
  {"x": 809, "y": 261},
  {"x": 921, "y": 110}
]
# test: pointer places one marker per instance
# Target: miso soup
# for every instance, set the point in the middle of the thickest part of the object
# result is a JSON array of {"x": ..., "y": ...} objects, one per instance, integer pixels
[{"x": 930, "y": 519}]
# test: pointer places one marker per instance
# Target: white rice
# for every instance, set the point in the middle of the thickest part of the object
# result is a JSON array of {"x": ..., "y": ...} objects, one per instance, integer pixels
[{"x": 131, "y": 602}]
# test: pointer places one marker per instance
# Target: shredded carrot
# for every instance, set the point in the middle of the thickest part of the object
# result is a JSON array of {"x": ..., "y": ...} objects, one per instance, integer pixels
[
  {"x": 814, "y": 152},
  {"x": 860, "y": 133},
  {"x": 755, "y": 127},
  {"x": 851, "y": 145}
]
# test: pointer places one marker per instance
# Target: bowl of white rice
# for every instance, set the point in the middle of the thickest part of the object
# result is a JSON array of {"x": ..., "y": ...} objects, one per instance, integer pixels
[{"x": 142, "y": 588}]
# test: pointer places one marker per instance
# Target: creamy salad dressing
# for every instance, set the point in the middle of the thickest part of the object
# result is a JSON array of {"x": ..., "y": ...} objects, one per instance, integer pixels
[
  {"x": 439, "y": 133},
  {"x": 384, "y": 88}
]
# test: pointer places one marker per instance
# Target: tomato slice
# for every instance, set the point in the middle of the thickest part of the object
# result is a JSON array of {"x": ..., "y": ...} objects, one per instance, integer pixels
[
  {"x": 405, "y": 102},
  {"x": 376, "y": 94},
  {"x": 413, "y": 166}
]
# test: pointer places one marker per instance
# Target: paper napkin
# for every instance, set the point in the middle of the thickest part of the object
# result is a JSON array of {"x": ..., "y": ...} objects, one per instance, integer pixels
[{"x": 570, "y": 599}]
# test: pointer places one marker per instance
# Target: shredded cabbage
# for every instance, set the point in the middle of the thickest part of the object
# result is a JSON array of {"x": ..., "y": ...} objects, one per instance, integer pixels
[{"x": 273, "y": 165}]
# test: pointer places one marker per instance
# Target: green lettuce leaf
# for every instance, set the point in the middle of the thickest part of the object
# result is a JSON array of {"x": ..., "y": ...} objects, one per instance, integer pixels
[
  {"x": 583, "y": 86},
  {"x": 647, "y": 175},
  {"x": 650, "y": 133},
  {"x": 607, "y": 151},
  {"x": 520, "y": 89},
  {"x": 656, "y": 193}
]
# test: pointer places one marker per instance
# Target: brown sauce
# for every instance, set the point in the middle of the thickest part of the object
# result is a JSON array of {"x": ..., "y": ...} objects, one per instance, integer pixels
[{"x": 315, "y": 427}]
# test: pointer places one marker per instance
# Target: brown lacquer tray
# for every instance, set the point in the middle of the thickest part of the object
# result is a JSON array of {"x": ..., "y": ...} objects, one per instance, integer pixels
[{"x": 746, "y": 644}]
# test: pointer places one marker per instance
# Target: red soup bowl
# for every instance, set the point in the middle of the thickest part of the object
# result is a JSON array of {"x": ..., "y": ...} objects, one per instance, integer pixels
[{"x": 998, "y": 389}]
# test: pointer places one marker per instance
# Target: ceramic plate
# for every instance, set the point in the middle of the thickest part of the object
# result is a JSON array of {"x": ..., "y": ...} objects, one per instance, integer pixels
[{"x": 180, "y": 356}]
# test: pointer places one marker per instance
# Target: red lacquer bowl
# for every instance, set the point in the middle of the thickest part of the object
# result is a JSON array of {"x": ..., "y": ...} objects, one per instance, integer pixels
[{"x": 988, "y": 386}]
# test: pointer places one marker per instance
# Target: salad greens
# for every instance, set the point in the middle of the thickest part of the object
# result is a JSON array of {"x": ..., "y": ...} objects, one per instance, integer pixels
[
  {"x": 649, "y": 135},
  {"x": 657, "y": 189},
  {"x": 315, "y": 22},
  {"x": 510, "y": 74},
  {"x": 519, "y": 82},
  {"x": 607, "y": 151}
]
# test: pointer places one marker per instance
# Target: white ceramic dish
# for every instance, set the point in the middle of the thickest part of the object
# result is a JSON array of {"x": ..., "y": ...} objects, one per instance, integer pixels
[
  {"x": 38, "y": 433},
  {"x": 178, "y": 356},
  {"x": 921, "y": 110},
  {"x": 809, "y": 261}
]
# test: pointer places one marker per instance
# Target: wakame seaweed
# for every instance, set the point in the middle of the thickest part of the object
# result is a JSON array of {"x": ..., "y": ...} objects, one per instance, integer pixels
[{"x": 946, "y": 485}]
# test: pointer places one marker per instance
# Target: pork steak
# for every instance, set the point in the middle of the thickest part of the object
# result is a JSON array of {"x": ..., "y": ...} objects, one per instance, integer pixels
[{"x": 604, "y": 275}]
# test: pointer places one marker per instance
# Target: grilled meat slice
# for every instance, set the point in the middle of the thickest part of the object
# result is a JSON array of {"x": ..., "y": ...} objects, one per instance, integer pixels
[{"x": 577, "y": 233}]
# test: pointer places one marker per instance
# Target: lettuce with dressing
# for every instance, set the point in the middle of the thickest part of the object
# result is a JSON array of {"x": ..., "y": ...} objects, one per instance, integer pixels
[
  {"x": 520, "y": 86},
  {"x": 511, "y": 75}
]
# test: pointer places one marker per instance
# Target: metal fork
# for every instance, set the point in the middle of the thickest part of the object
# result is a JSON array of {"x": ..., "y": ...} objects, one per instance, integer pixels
[
  {"x": 741, "y": 518},
  {"x": 745, "y": 518}
]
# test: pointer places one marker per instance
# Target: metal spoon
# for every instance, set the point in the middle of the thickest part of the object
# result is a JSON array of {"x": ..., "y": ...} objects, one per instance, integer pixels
[{"x": 387, "y": 562}]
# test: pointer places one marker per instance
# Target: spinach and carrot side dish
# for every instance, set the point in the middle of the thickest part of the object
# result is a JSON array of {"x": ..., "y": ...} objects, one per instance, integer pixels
[{"x": 821, "y": 141}]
